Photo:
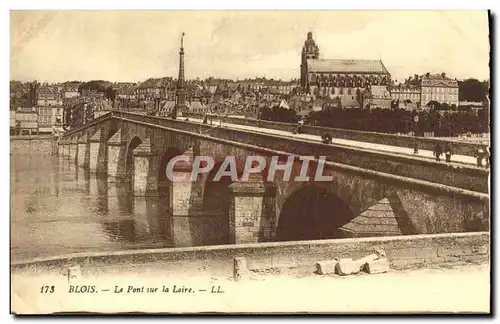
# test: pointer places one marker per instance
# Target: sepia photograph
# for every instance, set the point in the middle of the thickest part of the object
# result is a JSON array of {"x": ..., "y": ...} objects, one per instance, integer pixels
[{"x": 250, "y": 162}]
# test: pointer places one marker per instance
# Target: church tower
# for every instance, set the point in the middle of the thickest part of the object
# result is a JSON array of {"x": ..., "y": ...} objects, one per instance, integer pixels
[
  {"x": 309, "y": 51},
  {"x": 180, "y": 103}
]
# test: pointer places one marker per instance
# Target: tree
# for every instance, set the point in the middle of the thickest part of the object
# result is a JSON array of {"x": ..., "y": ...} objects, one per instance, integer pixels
[
  {"x": 18, "y": 127},
  {"x": 434, "y": 104},
  {"x": 483, "y": 120},
  {"x": 472, "y": 90}
]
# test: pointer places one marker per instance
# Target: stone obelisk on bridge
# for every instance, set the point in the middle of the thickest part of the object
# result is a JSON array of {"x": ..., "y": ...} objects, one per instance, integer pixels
[{"x": 180, "y": 102}]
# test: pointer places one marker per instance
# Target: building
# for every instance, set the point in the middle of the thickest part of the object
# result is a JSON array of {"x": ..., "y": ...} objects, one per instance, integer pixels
[
  {"x": 378, "y": 97},
  {"x": 310, "y": 51},
  {"x": 406, "y": 94},
  {"x": 235, "y": 97},
  {"x": 168, "y": 107},
  {"x": 49, "y": 117},
  {"x": 12, "y": 122},
  {"x": 286, "y": 88},
  {"x": 50, "y": 108},
  {"x": 48, "y": 96},
  {"x": 196, "y": 106},
  {"x": 71, "y": 91},
  {"x": 27, "y": 119},
  {"x": 180, "y": 93},
  {"x": 440, "y": 88},
  {"x": 152, "y": 89},
  {"x": 283, "y": 104},
  {"x": 475, "y": 104},
  {"x": 420, "y": 90},
  {"x": 336, "y": 77},
  {"x": 45, "y": 119}
]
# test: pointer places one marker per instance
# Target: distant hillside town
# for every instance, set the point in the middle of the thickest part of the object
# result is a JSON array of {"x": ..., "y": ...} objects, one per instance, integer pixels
[{"x": 329, "y": 92}]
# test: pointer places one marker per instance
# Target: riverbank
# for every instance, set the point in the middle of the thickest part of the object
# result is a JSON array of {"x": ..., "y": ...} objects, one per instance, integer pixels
[
  {"x": 403, "y": 252},
  {"x": 27, "y": 144},
  {"x": 449, "y": 289},
  {"x": 428, "y": 273}
]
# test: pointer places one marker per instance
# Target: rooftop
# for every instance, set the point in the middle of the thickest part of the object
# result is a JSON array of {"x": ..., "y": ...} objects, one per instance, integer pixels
[
  {"x": 437, "y": 77},
  {"x": 346, "y": 66}
]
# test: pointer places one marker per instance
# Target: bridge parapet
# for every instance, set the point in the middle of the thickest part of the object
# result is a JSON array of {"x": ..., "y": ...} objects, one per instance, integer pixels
[{"x": 424, "y": 143}]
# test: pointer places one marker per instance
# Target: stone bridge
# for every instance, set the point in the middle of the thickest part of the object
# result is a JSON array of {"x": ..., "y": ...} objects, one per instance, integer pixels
[{"x": 371, "y": 194}]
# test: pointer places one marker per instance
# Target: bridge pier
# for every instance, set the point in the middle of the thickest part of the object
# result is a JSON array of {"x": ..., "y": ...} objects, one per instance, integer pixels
[
  {"x": 73, "y": 150},
  {"x": 62, "y": 146},
  {"x": 66, "y": 149},
  {"x": 251, "y": 211},
  {"x": 145, "y": 175},
  {"x": 94, "y": 145},
  {"x": 82, "y": 160},
  {"x": 117, "y": 156},
  {"x": 186, "y": 195}
]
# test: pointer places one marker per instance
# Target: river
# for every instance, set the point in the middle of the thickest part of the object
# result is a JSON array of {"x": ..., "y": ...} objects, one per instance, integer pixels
[{"x": 59, "y": 208}]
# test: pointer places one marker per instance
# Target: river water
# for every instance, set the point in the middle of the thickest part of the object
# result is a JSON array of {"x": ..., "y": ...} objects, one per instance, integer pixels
[{"x": 58, "y": 208}]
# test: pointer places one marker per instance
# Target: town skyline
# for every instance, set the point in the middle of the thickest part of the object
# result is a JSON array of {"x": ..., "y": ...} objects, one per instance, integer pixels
[{"x": 121, "y": 46}]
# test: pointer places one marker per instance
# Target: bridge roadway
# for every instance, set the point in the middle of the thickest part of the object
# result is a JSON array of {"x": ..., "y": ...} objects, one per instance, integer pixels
[{"x": 456, "y": 158}]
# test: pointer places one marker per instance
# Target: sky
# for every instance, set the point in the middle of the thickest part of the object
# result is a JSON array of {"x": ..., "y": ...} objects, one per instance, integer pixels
[{"x": 132, "y": 46}]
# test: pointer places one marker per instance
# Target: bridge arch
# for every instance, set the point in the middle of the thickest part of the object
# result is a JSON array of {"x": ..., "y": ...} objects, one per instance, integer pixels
[
  {"x": 216, "y": 194},
  {"x": 131, "y": 146},
  {"x": 312, "y": 212},
  {"x": 216, "y": 202},
  {"x": 163, "y": 159}
]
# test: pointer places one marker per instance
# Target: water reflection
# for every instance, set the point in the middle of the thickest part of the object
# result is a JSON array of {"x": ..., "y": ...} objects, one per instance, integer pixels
[
  {"x": 148, "y": 223},
  {"x": 207, "y": 228},
  {"x": 59, "y": 208},
  {"x": 82, "y": 180}
]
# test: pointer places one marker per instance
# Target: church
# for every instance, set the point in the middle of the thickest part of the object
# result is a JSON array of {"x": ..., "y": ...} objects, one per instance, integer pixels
[{"x": 335, "y": 78}]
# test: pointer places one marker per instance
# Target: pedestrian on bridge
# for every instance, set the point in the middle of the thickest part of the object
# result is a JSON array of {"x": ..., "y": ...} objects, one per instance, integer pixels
[
  {"x": 448, "y": 153},
  {"x": 437, "y": 152},
  {"x": 480, "y": 154},
  {"x": 326, "y": 138},
  {"x": 487, "y": 156},
  {"x": 298, "y": 128}
]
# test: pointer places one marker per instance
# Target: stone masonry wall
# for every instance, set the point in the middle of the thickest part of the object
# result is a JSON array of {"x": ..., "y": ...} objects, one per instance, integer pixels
[
  {"x": 41, "y": 144},
  {"x": 403, "y": 252}
]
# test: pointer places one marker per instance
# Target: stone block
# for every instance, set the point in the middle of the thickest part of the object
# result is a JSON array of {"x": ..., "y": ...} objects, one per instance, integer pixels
[
  {"x": 74, "y": 273},
  {"x": 240, "y": 269},
  {"x": 347, "y": 267},
  {"x": 260, "y": 263},
  {"x": 284, "y": 260},
  {"x": 368, "y": 258},
  {"x": 326, "y": 266},
  {"x": 381, "y": 253},
  {"x": 481, "y": 250},
  {"x": 377, "y": 266}
]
